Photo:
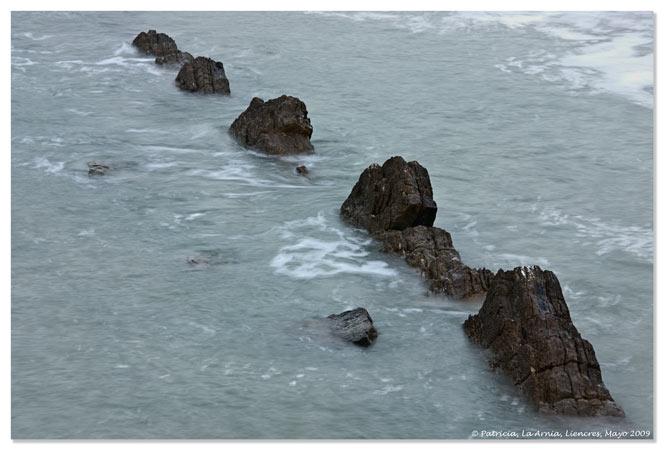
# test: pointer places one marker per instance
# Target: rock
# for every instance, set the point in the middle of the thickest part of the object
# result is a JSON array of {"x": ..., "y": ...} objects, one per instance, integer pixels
[
  {"x": 525, "y": 322},
  {"x": 302, "y": 170},
  {"x": 198, "y": 261},
  {"x": 203, "y": 75},
  {"x": 394, "y": 196},
  {"x": 97, "y": 168},
  {"x": 157, "y": 44},
  {"x": 355, "y": 326},
  {"x": 431, "y": 250},
  {"x": 278, "y": 127},
  {"x": 174, "y": 58}
]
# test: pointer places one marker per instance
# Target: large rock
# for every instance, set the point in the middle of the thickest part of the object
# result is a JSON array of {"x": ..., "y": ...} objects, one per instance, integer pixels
[
  {"x": 394, "y": 196},
  {"x": 278, "y": 127},
  {"x": 203, "y": 75},
  {"x": 354, "y": 326},
  {"x": 431, "y": 250},
  {"x": 525, "y": 322}
]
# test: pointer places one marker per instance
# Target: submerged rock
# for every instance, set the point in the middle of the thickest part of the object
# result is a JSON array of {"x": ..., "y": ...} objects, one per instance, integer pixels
[
  {"x": 174, "y": 58},
  {"x": 430, "y": 249},
  {"x": 394, "y": 196},
  {"x": 203, "y": 75},
  {"x": 97, "y": 168},
  {"x": 525, "y": 322},
  {"x": 302, "y": 170},
  {"x": 278, "y": 127},
  {"x": 198, "y": 261},
  {"x": 354, "y": 326}
]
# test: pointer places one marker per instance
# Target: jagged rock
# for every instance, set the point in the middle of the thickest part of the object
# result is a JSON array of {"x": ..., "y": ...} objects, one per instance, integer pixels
[
  {"x": 525, "y": 322},
  {"x": 355, "y": 326},
  {"x": 174, "y": 58},
  {"x": 157, "y": 44},
  {"x": 203, "y": 75},
  {"x": 394, "y": 196},
  {"x": 431, "y": 250},
  {"x": 279, "y": 126},
  {"x": 97, "y": 168},
  {"x": 302, "y": 170}
]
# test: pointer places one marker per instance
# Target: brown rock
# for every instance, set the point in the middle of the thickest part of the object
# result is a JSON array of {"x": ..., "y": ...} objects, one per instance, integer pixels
[
  {"x": 394, "y": 196},
  {"x": 525, "y": 322},
  {"x": 203, "y": 75},
  {"x": 174, "y": 58},
  {"x": 278, "y": 127},
  {"x": 153, "y": 43},
  {"x": 430, "y": 249},
  {"x": 302, "y": 170}
]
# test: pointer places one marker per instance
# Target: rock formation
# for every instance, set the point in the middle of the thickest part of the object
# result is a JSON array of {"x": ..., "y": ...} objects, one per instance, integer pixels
[
  {"x": 354, "y": 326},
  {"x": 203, "y": 75},
  {"x": 278, "y": 127},
  {"x": 430, "y": 249},
  {"x": 302, "y": 170},
  {"x": 160, "y": 45},
  {"x": 97, "y": 168},
  {"x": 525, "y": 322},
  {"x": 394, "y": 202},
  {"x": 394, "y": 196}
]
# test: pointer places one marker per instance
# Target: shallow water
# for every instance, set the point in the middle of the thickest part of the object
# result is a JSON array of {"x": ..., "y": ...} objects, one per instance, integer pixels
[{"x": 536, "y": 130}]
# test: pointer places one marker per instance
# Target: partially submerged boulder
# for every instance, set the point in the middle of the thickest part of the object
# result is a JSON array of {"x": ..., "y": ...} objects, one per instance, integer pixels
[
  {"x": 355, "y": 326},
  {"x": 174, "y": 58},
  {"x": 278, "y": 127},
  {"x": 394, "y": 196},
  {"x": 302, "y": 170},
  {"x": 97, "y": 168},
  {"x": 525, "y": 323},
  {"x": 431, "y": 250},
  {"x": 203, "y": 75}
]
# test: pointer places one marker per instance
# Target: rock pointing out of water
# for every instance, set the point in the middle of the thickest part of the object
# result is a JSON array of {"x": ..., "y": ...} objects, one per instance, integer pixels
[
  {"x": 278, "y": 127},
  {"x": 160, "y": 45},
  {"x": 97, "y": 168},
  {"x": 525, "y": 322},
  {"x": 431, "y": 250},
  {"x": 394, "y": 196},
  {"x": 203, "y": 75},
  {"x": 354, "y": 326}
]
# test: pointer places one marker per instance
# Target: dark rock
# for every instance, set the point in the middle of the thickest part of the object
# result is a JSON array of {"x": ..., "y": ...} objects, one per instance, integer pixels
[
  {"x": 395, "y": 196},
  {"x": 157, "y": 44},
  {"x": 302, "y": 170},
  {"x": 355, "y": 326},
  {"x": 174, "y": 58},
  {"x": 525, "y": 322},
  {"x": 278, "y": 127},
  {"x": 97, "y": 168},
  {"x": 198, "y": 261},
  {"x": 430, "y": 249},
  {"x": 203, "y": 75}
]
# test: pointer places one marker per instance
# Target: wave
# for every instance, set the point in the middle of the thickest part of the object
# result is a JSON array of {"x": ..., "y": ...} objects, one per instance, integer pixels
[
  {"x": 48, "y": 166},
  {"x": 312, "y": 257},
  {"x": 29, "y": 35}
]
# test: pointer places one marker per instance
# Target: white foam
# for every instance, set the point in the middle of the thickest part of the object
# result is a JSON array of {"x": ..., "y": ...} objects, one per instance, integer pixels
[
  {"x": 125, "y": 49},
  {"x": 29, "y": 35},
  {"x": 312, "y": 257},
  {"x": 48, "y": 166}
]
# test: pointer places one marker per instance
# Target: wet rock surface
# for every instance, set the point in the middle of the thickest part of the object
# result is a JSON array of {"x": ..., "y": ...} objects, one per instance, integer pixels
[
  {"x": 203, "y": 75},
  {"x": 96, "y": 168},
  {"x": 157, "y": 44},
  {"x": 394, "y": 196},
  {"x": 355, "y": 326},
  {"x": 302, "y": 170},
  {"x": 431, "y": 250},
  {"x": 278, "y": 127},
  {"x": 526, "y": 324},
  {"x": 174, "y": 58}
]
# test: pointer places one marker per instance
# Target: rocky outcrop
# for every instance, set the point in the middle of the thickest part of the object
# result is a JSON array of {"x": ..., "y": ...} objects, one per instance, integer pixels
[
  {"x": 394, "y": 196},
  {"x": 97, "y": 168},
  {"x": 394, "y": 202},
  {"x": 430, "y": 249},
  {"x": 355, "y": 326},
  {"x": 302, "y": 170},
  {"x": 525, "y": 322},
  {"x": 278, "y": 127},
  {"x": 203, "y": 75},
  {"x": 162, "y": 46}
]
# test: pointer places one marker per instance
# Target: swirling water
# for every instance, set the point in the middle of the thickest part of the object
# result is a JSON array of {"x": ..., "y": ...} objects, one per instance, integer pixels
[{"x": 536, "y": 130}]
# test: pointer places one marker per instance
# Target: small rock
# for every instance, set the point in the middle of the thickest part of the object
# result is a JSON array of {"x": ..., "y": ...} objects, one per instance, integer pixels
[
  {"x": 198, "y": 261},
  {"x": 302, "y": 170},
  {"x": 355, "y": 326},
  {"x": 96, "y": 168},
  {"x": 526, "y": 324},
  {"x": 203, "y": 75},
  {"x": 278, "y": 127}
]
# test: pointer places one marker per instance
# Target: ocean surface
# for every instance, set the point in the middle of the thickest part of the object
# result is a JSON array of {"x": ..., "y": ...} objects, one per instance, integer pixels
[{"x": 536, "y": 130}]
